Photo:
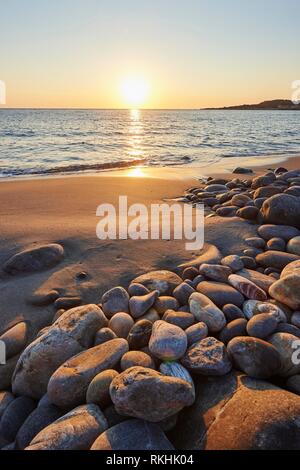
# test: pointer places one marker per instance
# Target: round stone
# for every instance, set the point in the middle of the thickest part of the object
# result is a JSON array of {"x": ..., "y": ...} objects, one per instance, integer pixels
[
  {"x": 196, "y": 333},
  {"x": 103, "y": 335},
  {"x": 181, "y": 319},
  {"x": 262, "y": 325},
  {"x": 139, "y": 334},
  {"x": 286, "y": 290},
  {"x": 276, "y": 244},
  {"x": 167, "y": 342},
  {"x": 115, "y": 300},
  {"x": 220, "y": 294},
  {"x": 98, "y": 390},
  {"x": 288, "y": 347},
  {"x": 164, "y": 303},
  {"x": 247, "y": 287},
  {"x": 293, "y": 246},
  {"x": 136, "y": 358},
  {"x": 121, "y": 323},
  {"x": 204, "y": 310},
  {"x": 233, "y": 262},
  {"x": 234, "y": 328},
  {"x": 207, "y": 357},
  {"x": 232, "y": 312},
  {"x": 182, "y": 293},
  {"x": 215, "y": 272}
]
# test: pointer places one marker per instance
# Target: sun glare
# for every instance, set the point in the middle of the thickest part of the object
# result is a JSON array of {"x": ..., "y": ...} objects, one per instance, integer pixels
[{"x": 134, "y": 91}]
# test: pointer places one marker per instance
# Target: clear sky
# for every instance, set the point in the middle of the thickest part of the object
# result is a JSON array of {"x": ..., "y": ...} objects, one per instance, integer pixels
[{"x": 190, "y": 53}]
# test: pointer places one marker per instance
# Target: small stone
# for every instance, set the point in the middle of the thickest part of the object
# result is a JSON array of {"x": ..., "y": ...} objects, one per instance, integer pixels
[
  {"x": 174, "y": 369},
  {"x": 247, "y": 287},
  {"x": 139, "y": 305},
  {"x": 140, "y": 334},
  {"x": 165, "y": 396},
  {"x": 152, "y": 315},
  {"x": 286, "y": 290},
  {"x": 204, "y": 310},
  {"x": 248, "y": 212},
  {"x": 98, "y": 390},
  {"x": 240, "y": 200},
  {"x": 285, "y": 232},
  {"x": 264, "y": 180},
  {"x": 167, "y": 342},
  {"x": 15, "y": 339},
  {"x": 275, "y": 259},
  {"x": 133, "y": 434},
  {"x": 248, "y": 262},
  {"x": 287, "y": 346},
  {"x": 103, "y": 335},
  {"x": 215, "y": 272},
  {"x": 254, "y": 357},
  {"x": 67, "y": 302},
  {"x": 137, "y": 289},
  {"x": 295, "y": 320},
  {"x": 234, "y": 328},
  {"x": 291, "y": 268},
  {"x": 165, "y": 302},
  {"x": 252, "y": 252},
  {"x": 14, "y": 416},
  {"x": 262, "y": 325},
  {"x": 207, "y": 357},
  {"x": 293, "y": 246},
  {"x": 182, "y": 293},
  {"x": 259, "y": 202},
  {"x": 115, "y": 300},
  {"x": 77, "y": 430},
  {"x": 232, "y": 312},
  {"x": 7, "y": 371},
  {"x": 181, "y": 319},
  {"x": 283, "y": 208},
  {"x": 136, "y": 358},
  {"x": 229, "y": 211},
  {"x": 196, "y": 333},
  {"x": 233, "y": 262},
  {"x": 241, "y": 170},
  {"x": 121, "y": 323},
  {"x": 220, "y": 293},
  {"x": 163, "y": 281},
  {"x": 276, "y": 244},
  {"x": 34, "y": 260},
  {"x": 189, "y": 273},
  {"x": 216, "y": 188},
  {"x": 259, "y": 279},
  {"x": 5, "y": 399}
]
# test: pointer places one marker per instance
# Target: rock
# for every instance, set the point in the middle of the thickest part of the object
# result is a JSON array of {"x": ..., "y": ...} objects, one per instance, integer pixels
[
  {"x": 287, "y": 328},
  {"x": 258, "y": 202},
  {"x": 207, "y": 357},
  {"x": 151, "y": 315},
  {"x": 280, "y": 170},
  {"x": 15, "y": 339},
  {"x": 167, "y": 342},
  {"x": 42, "y": 298},
  {"x": 5, "y": 399},
  {"x": 216, "y": 188},
  {"x": 98, "y": 389},
  {"x": 262, "y": 325},
  {"x": 240, "y": 170},
  {"x": 232, "y": 312},
  {"x": 239, "y": 413},
  {"x": 7, "y": 371},
  {"x": 174, "y": 369},
  {"x": 197, "y": 280},
  {"x": 136, "y": 358},
  {"x": 196, "y": 333},
  {"x": 112, "y": 416},
  {"x": 233, "y": 262},
  {"x": 234, "y": 328},
  {"x": 283, "y": 208},
  {"x": 69, "y": 335},
  {"x": 247, "y": 287},
  {"x": 147, "y": 394},
  {"x": 181, "y": 319},
  {"x": 139, "y": 334},
  {"x": 57, "y": 315},
  {"x": 252, "y": 252},
  {"x": 295, "y": 320},
  {"x": 14, "y": 416},
  {"x": 287, "y": 346},
  {"x": 76, "y": 430},
  {"x": 103, "y": 335},
  {"x": 256, "y": 242},
  {"x": 248, "y": 212},
  {"x": 189, "y": 273},
  {"x": 137, "y": 289},
  {"x": 215, "y": 272},
  {"x": 68, "y": 385},
  {"x": 33, "y": 260},
  {"x": 204, "y": 310},
  {"x": 164, "y": 303},
  {"x": 261, "y": 181},
  {"x": 67, "y": 302},
  {"x": 291, "y": 268},
  {"x": 240, "y": 200},
  {"x": 259, "y": 279},
  {"x": 266, "y": 191},
  {"x": 114, "y": 301},
  {"x": 283, "y": 231},
  {"x": 134, "y": 434},
  {"x": 276, "y": 244},
  {"x": 271, "y": 309},
  {"x": 221, "y": 294},
  {"x": 286, "y": 290},
  {"x": 254, "y": 357},
  {"x": 293, "y": 384},
  {"x": 293, "y": 246},
  {"x": 163, "y": 281},
  {"x": 182, "y": 293},
  {"x": 293, "y": 191},
  {"x": 229, "y": 211},
  {"x": 275, "y": 259},
  {"x": 121, "y": 323},
  {"x": 39, "y": 419},
  {"x": 139, "y": 305}
]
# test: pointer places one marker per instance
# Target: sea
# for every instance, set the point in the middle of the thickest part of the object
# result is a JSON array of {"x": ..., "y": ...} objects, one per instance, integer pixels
[{"x": 46, "y": 141}]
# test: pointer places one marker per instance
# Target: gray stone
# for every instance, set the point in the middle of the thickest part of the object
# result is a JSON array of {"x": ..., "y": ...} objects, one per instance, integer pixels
[
  {"x": 275, "y": 259},
  {"x": 115, "y": 300},
  {"x": 140, "y": 334},
  {"x": 139, "y": 305},
  {"x": 233, "y": 262},
  {"x": 262, "y": 325},
  {"x": 196, "y": 333},
  {"x": 163, "y": 281},
  {"x": 136, "y": 358},
  {"x": 14, "y": 416},
  {"x": 98, "y": 389},
  {"x": 36, "y": 259},
  {"x": 15, "y": 339},
  {"x": 181, "y": 319},
  {"x": 287, "y": 346},
  {"x": 286, "y": 232},
  {"x": 167, "y": 342},
  {"x": 283, "y": 208},
  {"x": 220, "y": 293},
  {"x": 121, "y": 323},
  {"x": 207, "y": 357},
  {"x": 204, "y": 310},
  {"x": 234, "y": 328},
  {"x": 183, "y": 292}
]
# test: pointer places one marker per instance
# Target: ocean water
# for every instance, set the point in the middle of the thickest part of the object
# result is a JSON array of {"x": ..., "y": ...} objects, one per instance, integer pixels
[{"x": 36, "y": 142}]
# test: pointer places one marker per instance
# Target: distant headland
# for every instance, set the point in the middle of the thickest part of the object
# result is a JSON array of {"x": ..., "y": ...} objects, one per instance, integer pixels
[{"x": 284, "y": 105}]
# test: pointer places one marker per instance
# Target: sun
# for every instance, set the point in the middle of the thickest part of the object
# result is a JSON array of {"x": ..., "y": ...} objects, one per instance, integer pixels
[{"x": 134, "y": 91}]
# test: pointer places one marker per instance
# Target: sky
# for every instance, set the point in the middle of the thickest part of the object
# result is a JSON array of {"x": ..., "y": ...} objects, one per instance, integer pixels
[{"x": 187, "y": 53}]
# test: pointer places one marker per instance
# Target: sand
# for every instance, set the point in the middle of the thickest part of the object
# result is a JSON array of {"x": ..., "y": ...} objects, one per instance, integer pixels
[{"x": 63, "y": 209}]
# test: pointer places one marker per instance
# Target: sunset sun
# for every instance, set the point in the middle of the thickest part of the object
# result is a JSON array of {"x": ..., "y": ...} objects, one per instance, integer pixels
[{"x": 134, "y": 91}]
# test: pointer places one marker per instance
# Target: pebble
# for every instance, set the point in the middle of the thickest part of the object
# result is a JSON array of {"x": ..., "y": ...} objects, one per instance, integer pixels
[
  {"x": 121, "y": 323},
  {"x": 196, "y": 333},
  {"x": 229, "y": 211},
  {"x": 34, "y": 260},
  {"x": 266, "y": 191},
  {"x": 234, "y": 328},
  {"x": 248, "y": 212},
  {"x": 182, "y": 293},
  {"x": 220, "y": 293},
  {"x": 233, "y": 262},
  {"x": 15, "y": 339},
  {"x": 275, "y": 259},
  {"x": 248, "y": 262},
  {"x": 103, "y": 335},
  {"x": 181, "y": 319},
  {"x": 293, "y": 246},
  {"x": 68, "y": 385},
  {"x": 291, "y": 268},
  {"x": 207, "y": 357},
  {"x": 152, "y": 315},
  {"x": 139, "y": 335},
  {"x": 276, "y": 244},
  {"x": 98, "y": 389},
  {"x": 136, "y": 358},
  {"x": 295, "y": 320},
  {"x": 232, "y": 312},
  {"x": 204, "y": 310},
  {"x": 167, "y": 342},
  {"x": 252, "y": 252},
  {"x": 240, "y": 200},
  {"x": 215, "y": 272},
  {"x": 164, "y": 303},
  {"x": 216, "y": 188},
  {"x": 189, "y": 273},
  {"x": 166, "y": 396},
  {"x": 254, "y": 357},
  {"x": 137, "y": 289},
  {"x": 286, "y": 232},
  {"x": 262, "y": 325},
  {"x": 67, "y": 302},
  {"x": 259, "y": 279},
  {"x": 5, "y": 399},
  {"x": 163, "y": 281},
  {"x": 286, "y": 290},
  {"x": 282, "y": 207},
  {"x": 287, "y": 346},
  {"x": 115, "y": 300},
  {"x": 264, "y": 180},
  {"x": 247, "y": 287},
  {"x": 14, "y": 416},
  {"x": 139, "y": 305}
]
